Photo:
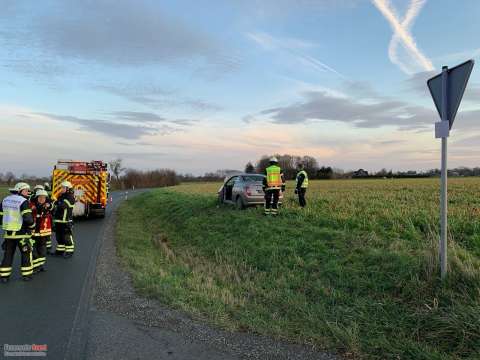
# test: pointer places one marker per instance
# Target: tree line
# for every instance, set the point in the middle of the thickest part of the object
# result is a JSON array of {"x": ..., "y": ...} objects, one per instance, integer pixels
[
  {"x": 121, "y": 178},
  {"x": 127, "y": 178},
  {"x": 289, "y": 163},
  {"x": 10, "y": 179}
]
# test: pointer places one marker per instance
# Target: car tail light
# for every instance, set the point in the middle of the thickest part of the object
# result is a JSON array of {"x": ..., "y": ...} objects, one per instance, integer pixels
[{"x": 247, "y": 191}]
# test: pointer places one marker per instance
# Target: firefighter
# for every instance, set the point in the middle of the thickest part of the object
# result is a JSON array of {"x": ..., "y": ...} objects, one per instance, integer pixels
[
  {"x": 63, "y": 220},
  {"x": 35, "y": 189},
  {"x": 273, "y": 183},
  {"x": 49, "y": 206},
  {"x": 43, "y": 229},
  {"x": 18, "y": 225},
  {"x": 301, "y": 185}
]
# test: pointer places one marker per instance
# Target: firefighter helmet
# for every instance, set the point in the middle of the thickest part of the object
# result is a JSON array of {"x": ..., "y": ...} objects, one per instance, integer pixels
[
  {"x": 67, "y": 184},
  {"x": 38, "y": 187},
  {"x": 273, "y": 159},
  {"x": 20, "y": 186},
  {"x": 41, "y": 192}
]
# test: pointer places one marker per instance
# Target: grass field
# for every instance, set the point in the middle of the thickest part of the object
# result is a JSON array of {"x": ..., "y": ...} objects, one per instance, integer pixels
[
  {"x": 3, "y": 191},
  {"x": 356, "y": 272}
]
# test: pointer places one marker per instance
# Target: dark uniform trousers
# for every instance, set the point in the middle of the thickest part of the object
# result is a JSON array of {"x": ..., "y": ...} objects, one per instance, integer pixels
[
  {"x": 271, "y": 201},
  {"x": 64, "y": 237},
  {"x": 39, "y": 251},
  {"x": 301, "y": 197},
  {"x": 26, "y": 267}
]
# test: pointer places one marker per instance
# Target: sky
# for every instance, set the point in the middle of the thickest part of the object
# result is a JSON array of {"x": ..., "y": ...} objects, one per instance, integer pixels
[{"x": 203, "y": 85}]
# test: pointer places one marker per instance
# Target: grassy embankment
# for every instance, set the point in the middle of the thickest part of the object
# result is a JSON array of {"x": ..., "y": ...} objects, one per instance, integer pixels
[
  {"x": 356, "y": 272},
  {"x": 3, "y": 191}
]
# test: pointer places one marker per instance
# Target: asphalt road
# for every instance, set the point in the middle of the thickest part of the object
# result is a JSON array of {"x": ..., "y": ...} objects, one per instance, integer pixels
[{"x": 50, "y": 308}]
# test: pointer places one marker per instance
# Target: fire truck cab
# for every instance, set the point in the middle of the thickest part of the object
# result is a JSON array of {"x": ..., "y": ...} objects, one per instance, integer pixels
[{"x": 90, "y": 180}]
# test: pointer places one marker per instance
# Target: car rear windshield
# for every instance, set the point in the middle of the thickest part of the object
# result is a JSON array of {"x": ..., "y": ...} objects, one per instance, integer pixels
[{"x": 252, "y": 178}]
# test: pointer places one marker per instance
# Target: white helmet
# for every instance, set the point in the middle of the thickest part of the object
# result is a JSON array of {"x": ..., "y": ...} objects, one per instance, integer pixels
[
  {"x": 20, "y": 186},
  {"x": 41, "y": 193},
  {"x": 38, "y": 187},
  {"x": 67, "y": 184},
  {"x": 274, "y": 159}
]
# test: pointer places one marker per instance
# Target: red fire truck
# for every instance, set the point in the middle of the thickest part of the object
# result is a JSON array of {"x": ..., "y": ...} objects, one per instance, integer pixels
[{"x": 90, "y": 180}]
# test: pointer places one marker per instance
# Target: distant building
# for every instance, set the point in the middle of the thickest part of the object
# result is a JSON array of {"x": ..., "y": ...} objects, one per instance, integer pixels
[{"x": 360, "y": 173}]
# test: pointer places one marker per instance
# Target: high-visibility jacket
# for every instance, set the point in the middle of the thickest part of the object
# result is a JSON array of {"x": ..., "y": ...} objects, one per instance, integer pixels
[
  {"x": 302, "y": 179},
  {"x": 63, "y": 212},
  {"x": 16, "y": 217},
  {"x": 274, "y": 177}
]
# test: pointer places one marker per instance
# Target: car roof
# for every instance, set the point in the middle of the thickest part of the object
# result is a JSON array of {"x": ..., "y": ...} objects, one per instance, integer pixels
[{"x": 243, "y": 174}]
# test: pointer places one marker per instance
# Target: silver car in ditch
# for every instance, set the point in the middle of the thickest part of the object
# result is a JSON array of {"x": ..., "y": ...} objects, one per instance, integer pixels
[{"x": 243, "y": 190}]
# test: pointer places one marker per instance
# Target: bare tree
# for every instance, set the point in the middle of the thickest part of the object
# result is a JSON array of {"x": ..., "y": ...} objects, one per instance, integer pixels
[
  {"x": 116, "y": 168},
  {"x": 9, "y": 178}
]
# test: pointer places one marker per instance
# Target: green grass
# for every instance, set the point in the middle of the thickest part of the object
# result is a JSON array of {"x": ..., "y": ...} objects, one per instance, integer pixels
[
  {"x": 356, "y": 272},
  {"x": 3, "y": 191}
]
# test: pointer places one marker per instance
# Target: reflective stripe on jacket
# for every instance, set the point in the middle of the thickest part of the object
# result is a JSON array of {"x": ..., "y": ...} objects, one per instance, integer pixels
[
  {"x": 12, "y": 214},
  {"x": 43, "y": 219},
  {"x": 274, "y": 177},
  {"x": 9, "y": 217},
  {"x": 64, "y": 208}
]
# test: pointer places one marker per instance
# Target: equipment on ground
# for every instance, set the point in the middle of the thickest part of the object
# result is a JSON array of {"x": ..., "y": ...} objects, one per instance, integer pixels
[{"x": 90, "y": 183}]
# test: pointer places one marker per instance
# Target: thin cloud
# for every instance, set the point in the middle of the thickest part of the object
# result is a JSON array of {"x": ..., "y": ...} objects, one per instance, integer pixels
[
  {"x": 111, "y": 128},
  {"x": 418, "y": 83},
  {"x": 402, "y": 33},
  {"x": 137, "y": 116},
  {"x": 459, "y": 56},
  {"x": 322, "y": 106},
  {"x": 137, "y": 143},
  {"x": 139, "y": 155},
  {"x": 184, "y": 122},
  {"x": 294, "y": 47},
  {"x": 156, "y": 98},
  {"x": 121, "y": 33}
]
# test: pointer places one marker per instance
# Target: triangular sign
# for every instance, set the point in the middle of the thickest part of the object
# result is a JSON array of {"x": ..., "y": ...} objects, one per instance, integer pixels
[{"x": 457, "y": 82}]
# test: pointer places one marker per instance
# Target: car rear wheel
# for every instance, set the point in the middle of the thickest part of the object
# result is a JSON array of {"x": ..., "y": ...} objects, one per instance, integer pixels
[{"x": 239, "y": 203}]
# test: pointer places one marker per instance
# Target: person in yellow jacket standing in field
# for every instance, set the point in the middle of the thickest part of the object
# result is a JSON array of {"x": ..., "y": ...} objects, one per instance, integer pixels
[
  {"x": 273, "y": 183},
  {"x": 301, "y": 185}
]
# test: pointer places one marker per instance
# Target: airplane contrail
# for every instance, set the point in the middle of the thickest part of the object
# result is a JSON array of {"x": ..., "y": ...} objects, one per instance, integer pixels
[
  {"x": 269, "y": 42},
  {"x": 412, "y": 12},
  {"x": 402, "y": 33}
]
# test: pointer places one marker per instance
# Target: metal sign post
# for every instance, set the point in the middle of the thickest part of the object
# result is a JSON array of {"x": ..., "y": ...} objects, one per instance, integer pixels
[
  {"x": 443, "y": 191},
  {"x": 447, "y": 91}
]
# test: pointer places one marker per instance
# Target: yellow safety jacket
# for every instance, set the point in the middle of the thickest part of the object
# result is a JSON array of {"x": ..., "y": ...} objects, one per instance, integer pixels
[
  {"x": 305, "y": 180},
  {"x": 274, "y": 177},
  {"x": 17, "y": 220}
]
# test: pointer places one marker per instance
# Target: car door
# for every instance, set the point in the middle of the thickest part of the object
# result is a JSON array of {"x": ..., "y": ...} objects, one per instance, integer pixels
[
  {"x": 237, "y": 187},
  {"x": 229, "y": 186}
]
